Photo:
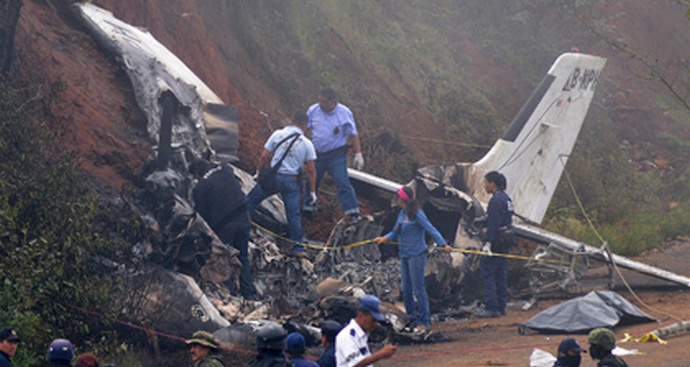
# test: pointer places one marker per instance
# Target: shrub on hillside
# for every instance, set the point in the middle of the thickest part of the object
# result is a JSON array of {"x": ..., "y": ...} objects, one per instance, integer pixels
[{"x": 52, "y": 254}]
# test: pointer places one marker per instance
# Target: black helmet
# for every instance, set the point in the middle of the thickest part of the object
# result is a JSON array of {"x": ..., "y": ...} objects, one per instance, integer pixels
[
  {"x": 60, "y": 350},
  {"x": 271, "y": 336}
]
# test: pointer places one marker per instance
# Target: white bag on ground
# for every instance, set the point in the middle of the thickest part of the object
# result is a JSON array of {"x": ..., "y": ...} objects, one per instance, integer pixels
[{"x": 540, "y": 358}]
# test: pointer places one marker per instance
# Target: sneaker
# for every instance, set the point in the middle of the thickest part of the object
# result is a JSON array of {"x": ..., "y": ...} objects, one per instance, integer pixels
[
  {"x": 353, "y": 218},
  {"x": 421, "y": 328}
]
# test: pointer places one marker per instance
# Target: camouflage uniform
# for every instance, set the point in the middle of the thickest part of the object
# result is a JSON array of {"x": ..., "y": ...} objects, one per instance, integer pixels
[
  {"x": 210, "y": 361},
  {"x": 611, "y": 361},
  {"x": 606, "y": 340}
]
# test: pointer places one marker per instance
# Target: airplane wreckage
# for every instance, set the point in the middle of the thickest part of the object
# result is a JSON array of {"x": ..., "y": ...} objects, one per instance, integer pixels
[{"x": 185, "y": 284}]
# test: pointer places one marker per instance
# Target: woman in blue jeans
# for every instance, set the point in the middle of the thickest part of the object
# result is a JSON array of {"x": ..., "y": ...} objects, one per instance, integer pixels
[{"x": 408, "y": 232}]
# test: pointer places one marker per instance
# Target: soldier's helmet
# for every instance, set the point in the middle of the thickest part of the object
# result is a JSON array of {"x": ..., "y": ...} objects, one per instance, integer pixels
[{"x": 603, "y": 337}]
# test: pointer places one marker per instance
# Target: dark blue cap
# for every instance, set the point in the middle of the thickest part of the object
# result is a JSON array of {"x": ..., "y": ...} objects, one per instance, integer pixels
[
  {"x": 569, "y": 344},
  {"x": 9, "y": 334},
  {"x": 371, "y": 305},
  {"x": 330, "y": 329},
  {"x": 295, "y": 343}
]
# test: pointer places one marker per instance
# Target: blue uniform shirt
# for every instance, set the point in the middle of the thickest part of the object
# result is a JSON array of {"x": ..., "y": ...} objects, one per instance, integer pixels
[
  {"x": 302, "y": 362},
  {"x": 410, "y": 234},
  {"x": 499, "y": 215},
  {"x": 327, "y": 359},
  {"x": 5, "y": 360},
  {"x": 330, "y": 130},
  {"x": 301, "y": 152}
]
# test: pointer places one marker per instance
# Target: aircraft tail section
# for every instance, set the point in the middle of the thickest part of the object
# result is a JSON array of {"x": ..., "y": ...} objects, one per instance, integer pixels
[{"x": 533, "y": 151}]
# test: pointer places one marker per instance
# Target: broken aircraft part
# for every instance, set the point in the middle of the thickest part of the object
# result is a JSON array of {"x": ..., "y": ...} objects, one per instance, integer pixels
[
  {"x": 170, "y": 301},
  {"x": 153, "y": 70},
  {"x": 679, "y": 328},
  {"x": 554, "y": 268},
  {"x": 544, "y": 236}
]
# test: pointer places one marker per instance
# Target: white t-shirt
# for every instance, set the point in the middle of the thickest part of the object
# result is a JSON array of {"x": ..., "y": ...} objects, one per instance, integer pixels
[{"x": 351, "y": 345}]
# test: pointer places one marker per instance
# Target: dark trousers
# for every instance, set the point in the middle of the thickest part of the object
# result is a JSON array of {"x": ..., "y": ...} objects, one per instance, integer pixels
[
  {"x": 494, "y": 271},
  {"x": 236, "y": 234}
]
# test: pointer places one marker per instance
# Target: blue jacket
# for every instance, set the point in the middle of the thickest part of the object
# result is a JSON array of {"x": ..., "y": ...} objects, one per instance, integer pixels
[
  {"x": 327, "y": 359},
  {"x": 409, "y": 233},
  {"x": 5, "y": 360},
  {"x": 499, "y": 215},
  {"x": 302, "y": 362}
]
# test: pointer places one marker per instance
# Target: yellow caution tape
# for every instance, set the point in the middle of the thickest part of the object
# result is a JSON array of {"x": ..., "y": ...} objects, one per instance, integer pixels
[
  {"x": 365, "y": 242},
  {"x": 649, "y": 337}
]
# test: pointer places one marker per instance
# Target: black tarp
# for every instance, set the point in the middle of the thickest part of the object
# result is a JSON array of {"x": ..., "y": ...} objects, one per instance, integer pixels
[{"x": 582, "y": 314}]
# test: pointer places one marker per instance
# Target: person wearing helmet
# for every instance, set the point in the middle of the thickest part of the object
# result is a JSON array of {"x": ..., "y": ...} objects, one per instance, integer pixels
[
  {"x": 204, "y": 349},
  {"x": 601, "y": 343},
  {"x": 569, "y": 354},
  {"x": 9, "y": 340},
  {"x": 351, "y": 344},
  {"x": 270, "y": 343},
  {"x": 329, "y": 330},
  {"x": 60, "y": 353},
  {"x": 296, "y": 345}
]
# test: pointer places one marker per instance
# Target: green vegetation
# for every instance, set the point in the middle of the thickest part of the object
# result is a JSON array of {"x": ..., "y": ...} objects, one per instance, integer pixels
[
  {"x": 51, "y": 247},
  {"x": 642, "y": 231}
]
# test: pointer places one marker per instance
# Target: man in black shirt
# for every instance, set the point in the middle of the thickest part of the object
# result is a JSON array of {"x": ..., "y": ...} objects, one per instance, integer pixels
[{"x": 219, "y": 199}]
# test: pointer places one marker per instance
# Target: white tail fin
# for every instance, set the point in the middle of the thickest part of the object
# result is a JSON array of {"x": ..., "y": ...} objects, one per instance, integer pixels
[{"x": 533, "y": 151}]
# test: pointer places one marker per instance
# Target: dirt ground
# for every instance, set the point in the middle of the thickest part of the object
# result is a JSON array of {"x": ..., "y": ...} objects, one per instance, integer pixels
[{"x": 497, "y": 342}]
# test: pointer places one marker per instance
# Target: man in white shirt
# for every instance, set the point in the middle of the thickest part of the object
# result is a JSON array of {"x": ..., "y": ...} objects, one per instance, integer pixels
[
  {"x": 351, "y": 348},
  {"x": 298, "y": 155}
]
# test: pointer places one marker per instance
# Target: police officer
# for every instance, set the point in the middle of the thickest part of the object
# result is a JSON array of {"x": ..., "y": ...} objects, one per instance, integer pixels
[
  {"x": 333, "y": 127},
  {"x": 329, "y": 330},
  {"x": 9, "y": 340},
  {"x": 601, "y": 343},
  {"x": 60, "y": 353},
  {"x": 296, "y": 346},
  {"x": 219, "y": 199},
  {"x": 270, "y": 343},
  {"x": 569, "y": 354},
  {"x": 351, "y": 344},
  {"x": 494, "y": 269},
  {"x": 204, "y": 350}
]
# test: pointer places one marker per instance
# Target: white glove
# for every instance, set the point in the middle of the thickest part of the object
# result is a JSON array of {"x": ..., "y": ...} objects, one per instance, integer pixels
[
  {"x": 359, "y": 161},
  {"x": 256, "y": 175},
  {"x": 487, "y": 248},
  {"x": 312, "y": 198}
]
